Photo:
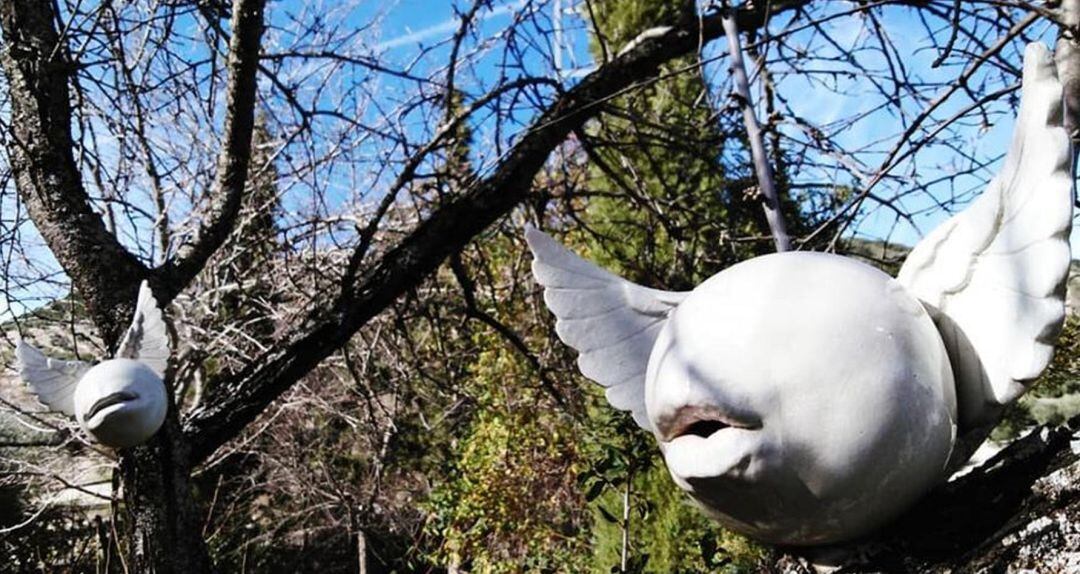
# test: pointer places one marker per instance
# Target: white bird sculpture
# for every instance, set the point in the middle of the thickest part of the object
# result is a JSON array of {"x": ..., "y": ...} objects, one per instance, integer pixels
[
  {"x": 119, "y": 402},
  {"x": 808, "y": 398}
]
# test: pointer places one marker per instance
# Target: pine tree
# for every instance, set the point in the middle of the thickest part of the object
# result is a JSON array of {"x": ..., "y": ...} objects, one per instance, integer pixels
[
  {"x": 247, "y": 290},
  {"x": 665, "y": 214},
  {"x": 665, "y": 205}
]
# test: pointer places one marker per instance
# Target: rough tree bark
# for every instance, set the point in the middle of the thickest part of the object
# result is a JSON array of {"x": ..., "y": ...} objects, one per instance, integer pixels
[
  {"x": 42, "y": 159},
  {"x": 165, "y": 530},
  {"x": 165, "y": 523},
  {"x": 166, "y": 533}
]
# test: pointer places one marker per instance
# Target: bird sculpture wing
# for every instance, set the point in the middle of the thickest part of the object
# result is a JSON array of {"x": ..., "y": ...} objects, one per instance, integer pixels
[
  {"x": 610, "y": 321},
  {"x": 993, "y": 276},
  {"x": 52, "y": 380},
  {"x": 147, "y": 339}
]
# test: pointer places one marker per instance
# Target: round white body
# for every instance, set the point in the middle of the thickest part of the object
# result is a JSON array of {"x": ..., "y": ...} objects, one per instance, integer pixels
[
  {"x": 802, "y": 398},
  {"x": 120, "y": 403}
]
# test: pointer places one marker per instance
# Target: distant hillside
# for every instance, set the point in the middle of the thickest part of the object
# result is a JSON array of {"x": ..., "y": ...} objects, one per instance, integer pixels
[
  {"x": 890, "y": 256},
  {"x": 886, "y": 256},
  {"x": 51, "y": 328}
]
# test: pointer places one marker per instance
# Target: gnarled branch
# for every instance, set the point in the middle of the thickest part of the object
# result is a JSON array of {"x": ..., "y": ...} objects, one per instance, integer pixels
[
  {"x": 446, "y": 231},
  {"x": 41, "y": 151},
  {"x": 227, "y": 190}
]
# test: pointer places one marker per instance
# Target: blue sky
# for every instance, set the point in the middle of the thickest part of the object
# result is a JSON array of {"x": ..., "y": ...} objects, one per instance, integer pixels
[{"x": 410, "y": 23}]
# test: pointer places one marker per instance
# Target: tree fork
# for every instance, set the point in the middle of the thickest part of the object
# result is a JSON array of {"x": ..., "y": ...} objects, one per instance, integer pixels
[{"x": 156, "y": 477}]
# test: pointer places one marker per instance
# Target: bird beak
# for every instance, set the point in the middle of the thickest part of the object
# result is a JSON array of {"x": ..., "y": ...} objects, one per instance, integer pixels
[
  {"x": 702, "y": 421},
  {"x": 109, "y": 400}
]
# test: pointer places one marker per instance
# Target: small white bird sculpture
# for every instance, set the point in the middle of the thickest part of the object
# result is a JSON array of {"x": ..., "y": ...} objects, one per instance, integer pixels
[
  {"x": 119, "y": 402},
  {"x": 807, "y": 398}
]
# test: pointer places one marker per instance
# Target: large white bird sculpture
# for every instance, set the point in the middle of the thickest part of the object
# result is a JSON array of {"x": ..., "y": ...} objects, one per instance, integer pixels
[
  {"x": 119, "y": 402},
  {"x": 807, "y": 398}
]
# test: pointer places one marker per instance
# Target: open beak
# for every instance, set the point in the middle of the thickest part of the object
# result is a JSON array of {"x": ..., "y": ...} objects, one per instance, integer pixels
[
  {"x": 702, "y": 421},
  {"x": 110, "y": 400}
]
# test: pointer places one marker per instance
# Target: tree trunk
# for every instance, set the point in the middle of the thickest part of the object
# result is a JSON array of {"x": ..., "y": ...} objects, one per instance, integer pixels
[
  {"x": 41, "y": 152},
  {"x": 165, "y": 523},
  {"x": 165, "y": 526}
]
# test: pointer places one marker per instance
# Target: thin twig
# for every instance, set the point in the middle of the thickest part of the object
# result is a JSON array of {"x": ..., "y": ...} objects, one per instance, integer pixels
[{"x": 766, "y": 182}]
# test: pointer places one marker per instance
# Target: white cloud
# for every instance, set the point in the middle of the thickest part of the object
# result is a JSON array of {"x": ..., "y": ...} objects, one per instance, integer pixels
[{"x": 445, "y": 27}]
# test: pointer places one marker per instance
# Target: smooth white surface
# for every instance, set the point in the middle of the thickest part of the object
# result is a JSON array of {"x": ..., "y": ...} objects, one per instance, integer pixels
[
  {"x": 131, "y": 421},
  {"x": 147, "y": 339},
  {"x": 610, "y": 321},
  {"x": 807, "y": 398},
  {"x": 133, "y": 381},
  {"x": 52, "y": 380},
  {"x": 994, "y": 274},
  {"x": 836, "y": 387},
  {"x": 831, "y": 379}
]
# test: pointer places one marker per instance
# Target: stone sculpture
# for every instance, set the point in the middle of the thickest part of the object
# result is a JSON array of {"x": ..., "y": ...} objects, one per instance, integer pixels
[
  {"x": 119, "y": 402},
  {"x": 807, "y": 398}
]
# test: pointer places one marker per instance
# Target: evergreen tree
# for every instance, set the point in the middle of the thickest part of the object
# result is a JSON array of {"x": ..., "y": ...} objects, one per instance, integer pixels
[
  {"x": 239, "y": 295},
  {"x": 247, "y": 288},
  {"x": 665, "y": 212},
  {"x": 522, "y": 483}
]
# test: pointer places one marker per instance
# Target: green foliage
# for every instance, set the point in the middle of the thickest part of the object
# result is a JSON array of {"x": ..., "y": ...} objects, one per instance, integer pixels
[
  {"x": 662, "y": 209},
  {"x": 665, "y": 531},
  {"x": 1055, "y": 398},
  {"x": 534, "y": 489},
  {"x": 487, "y": 469},
  {"x": 619, "y": 456},
  {"x": 508, "y": 502},
  {"x": 620, "y": 21},
  {"x": 666, "y": 526}
]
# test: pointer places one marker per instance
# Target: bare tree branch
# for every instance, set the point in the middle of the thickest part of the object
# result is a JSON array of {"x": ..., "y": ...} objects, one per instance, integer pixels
[
  {"x": 446, "y": 231},
  {"x": 232, "y": 166},
  {"x": 766, "y": 181},
  {"x": 41, "y": 149}
]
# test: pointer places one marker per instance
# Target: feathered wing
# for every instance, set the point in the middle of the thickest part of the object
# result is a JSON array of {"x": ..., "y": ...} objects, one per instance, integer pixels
[
  {"x": 147, "y": 339},
  {"x": 610, "y": 321},
  {"x": 52, "y": 380},
  {"x": 994, "y": 275}
]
